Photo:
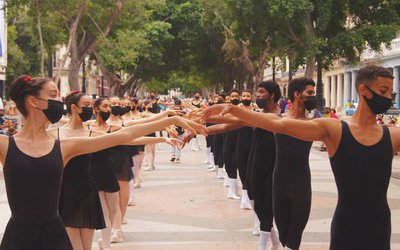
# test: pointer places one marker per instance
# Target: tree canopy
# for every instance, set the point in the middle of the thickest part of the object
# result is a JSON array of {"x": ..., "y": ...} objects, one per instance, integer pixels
[{"x": 194, "y": 44}]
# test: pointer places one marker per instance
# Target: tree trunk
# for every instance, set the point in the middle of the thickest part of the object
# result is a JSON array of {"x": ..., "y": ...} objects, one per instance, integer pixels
[
  {"x": 88, "y": 44},
  {"x": 73, "y": 74},
  {"x": 310, "y": 68},
  {"x": 71, "y": 40},
  {"x": 39, "y": 27}
]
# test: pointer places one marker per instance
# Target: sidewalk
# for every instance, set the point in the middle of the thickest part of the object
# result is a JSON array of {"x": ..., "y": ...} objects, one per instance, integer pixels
[{"x": 183, "y": 206}]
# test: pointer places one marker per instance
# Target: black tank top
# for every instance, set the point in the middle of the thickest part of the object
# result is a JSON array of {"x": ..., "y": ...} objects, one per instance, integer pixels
[
  {"x": 362, "y": 175},
  {"x": 33, "y": 184},
  {"x": 198, "y": 105},
  {"x": 264, "y": 151},
  {"x": 292, "y": 158}
]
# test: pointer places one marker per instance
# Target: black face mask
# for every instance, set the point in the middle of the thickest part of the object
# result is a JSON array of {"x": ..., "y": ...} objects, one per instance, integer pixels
[
  {"x": 54, "y": 110},
  {"x": 197, "y": 97},
  {"x": 104, "y": 115},
  {"x": 310, "y": 102},
  {"x": 152, "y": 97},
  {"x": 125, "y": 110},
  {"x": 133, "y": 108},
  {"x": 246, "y": 102},
  {"x": 235, "y": 101},
  {"x": 210, "y": 104},
  {"x": 378, "y": 104},
  {"x": 116, "y": 110},
  {"x": 261, "y": 103},
  {"x": 86, "y": 114}
]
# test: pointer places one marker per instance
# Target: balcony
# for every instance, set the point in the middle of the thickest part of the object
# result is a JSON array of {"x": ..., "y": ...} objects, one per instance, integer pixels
[{"x": 369, "y": 54}]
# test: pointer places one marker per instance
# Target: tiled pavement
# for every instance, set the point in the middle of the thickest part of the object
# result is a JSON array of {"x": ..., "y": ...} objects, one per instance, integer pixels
[{"x": 182, "y": 206}]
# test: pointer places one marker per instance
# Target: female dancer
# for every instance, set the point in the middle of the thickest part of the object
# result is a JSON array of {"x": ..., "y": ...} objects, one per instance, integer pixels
[
  {"x": 150, "y": 150},
  {"x": 79, "y": 205},
  {"x": 361, "y": 154},
  {"x": 33, "y": 164}
]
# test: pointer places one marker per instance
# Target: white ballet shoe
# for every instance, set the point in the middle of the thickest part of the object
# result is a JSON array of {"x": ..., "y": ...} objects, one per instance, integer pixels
[
  {"x": 245, "y": 203},
  {"x": 263, "y": 241},
  {"x": 212, "y": 168},
  {"x": 220, "y": 173},
  {"x": 232, "y": 190},
  {"x": 256, "y": 228},
  {"x": 226, "y": 181},
  {"x": 275, "y": 243},
  {"x": 101, "y": 245},
  {"x": 124, "y": 221},
  {"x": 117, "y": 237},
  {"x": 131, "y": 203}
]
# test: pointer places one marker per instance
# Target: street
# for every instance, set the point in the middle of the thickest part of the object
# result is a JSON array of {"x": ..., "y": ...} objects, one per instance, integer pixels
[{"x": 183, "y": 206}]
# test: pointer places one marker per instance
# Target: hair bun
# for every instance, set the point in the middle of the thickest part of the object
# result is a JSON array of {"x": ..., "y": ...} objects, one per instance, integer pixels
[{"x": 17, "y": 86}]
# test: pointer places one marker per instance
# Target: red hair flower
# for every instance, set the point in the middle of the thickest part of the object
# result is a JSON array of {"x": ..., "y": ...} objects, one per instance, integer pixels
[
  {"x": 74, "y": 92},
  {"x": 27, "y": 78}
]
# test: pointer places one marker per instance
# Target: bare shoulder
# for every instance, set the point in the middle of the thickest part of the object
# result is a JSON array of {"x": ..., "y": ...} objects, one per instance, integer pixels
[
  {"x": 4, "y": 142},
  {"x": 97, "y": 133},
  {"x": 395, "y": 133},
  {"x": 52, "y": 132}
]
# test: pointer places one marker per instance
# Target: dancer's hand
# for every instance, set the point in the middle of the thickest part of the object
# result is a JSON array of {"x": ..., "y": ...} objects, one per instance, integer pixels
[
  {"x": 191, "y": 126},
  {"x": 187, "y": 138},
  {"x": 219, "y": 109},
  {"x": 171, "y": 130},
  {"x": 173, "y": 142}
]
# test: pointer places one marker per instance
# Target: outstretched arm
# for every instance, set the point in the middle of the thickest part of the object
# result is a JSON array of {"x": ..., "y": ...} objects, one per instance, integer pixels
[
  {"x": 152, "y": 118},
  {"x": 222, "y": 128},
  {"x": 227, "y": 118},
  {"x": 313, "y": 130},
  {"x": 72, "y": 147},
  {"x": 144, "y": 140}
]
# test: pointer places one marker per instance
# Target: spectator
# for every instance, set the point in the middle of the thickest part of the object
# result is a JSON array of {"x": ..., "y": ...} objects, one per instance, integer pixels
[{"x": 333, "y": 114}]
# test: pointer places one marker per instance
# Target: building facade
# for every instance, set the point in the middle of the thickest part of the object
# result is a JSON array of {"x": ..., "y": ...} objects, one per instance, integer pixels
[{"x": 339, "y": 81}]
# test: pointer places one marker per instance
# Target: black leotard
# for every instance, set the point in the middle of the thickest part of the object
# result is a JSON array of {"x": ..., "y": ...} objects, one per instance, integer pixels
[
  {"x": 230, "y": 140},
  {"x": 80, "y": 205},
  {"x": 291, "y": 189},
  {"x": 33, "y": 187},
  {"x": 362, "y": 174},
  {"x": 103, "y": 172},
  {"x": 243, "y": 145},
  {"x": 263, "y": 167},
  {"x": 121, "y": 162},
  {"x": 219, "y": 150},
  {"x": 197, "y": 105}
]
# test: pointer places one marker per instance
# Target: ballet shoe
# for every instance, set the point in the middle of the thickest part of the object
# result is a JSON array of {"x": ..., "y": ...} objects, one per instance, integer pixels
[
  {"x": 117, "y": 237},
  {"x": 137, "y": 185},
  {"x": 206, "y": 161},
  {"x": 232, "y": 189},
  {"x": 212, "y": 169},
  {"x": 131, "y": 203},
  {"x": 101, "y": 246},
  {"x": 245, "y": 206}
]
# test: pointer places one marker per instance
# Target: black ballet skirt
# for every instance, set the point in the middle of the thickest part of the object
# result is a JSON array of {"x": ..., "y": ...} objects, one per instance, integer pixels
[
  {"x": 80, "y": 205},
  {"x": 33, "y": 186},
  {"x": 120, "y": 162},
  {"x": 103, "y": 173}
]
